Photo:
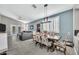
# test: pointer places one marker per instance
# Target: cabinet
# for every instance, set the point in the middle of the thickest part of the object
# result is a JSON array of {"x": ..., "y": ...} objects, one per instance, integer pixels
[{"x": 3, "y": 42}]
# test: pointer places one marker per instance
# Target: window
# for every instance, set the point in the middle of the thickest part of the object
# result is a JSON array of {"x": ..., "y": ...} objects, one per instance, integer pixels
[
  {"x": 56, "y": 24},
  {"x": 52, "y": 26},
  {"x": 48, "y": 26},
  {"x": 45, "y": 26}
]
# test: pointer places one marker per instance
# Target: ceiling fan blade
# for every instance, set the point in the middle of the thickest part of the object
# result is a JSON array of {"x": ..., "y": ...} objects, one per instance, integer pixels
[
  {"x": 34, "y": 6},
  {"x": 45, "y": 5}
]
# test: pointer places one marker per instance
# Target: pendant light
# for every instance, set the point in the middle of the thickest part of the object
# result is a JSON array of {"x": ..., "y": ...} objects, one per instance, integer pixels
[{"x": 45, "y": 12}]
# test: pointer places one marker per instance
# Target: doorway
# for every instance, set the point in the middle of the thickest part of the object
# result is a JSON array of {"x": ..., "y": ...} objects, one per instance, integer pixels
[{"x": 38, "y": 27}]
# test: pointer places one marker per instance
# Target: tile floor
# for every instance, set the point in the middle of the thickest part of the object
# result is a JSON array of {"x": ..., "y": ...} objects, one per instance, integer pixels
[{"x": 27, "y": 47}]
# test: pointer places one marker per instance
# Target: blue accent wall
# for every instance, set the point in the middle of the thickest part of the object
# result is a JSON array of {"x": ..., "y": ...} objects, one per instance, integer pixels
[
  {"x": 34, "y": 23},
  {"x": 65, "y": 22}
]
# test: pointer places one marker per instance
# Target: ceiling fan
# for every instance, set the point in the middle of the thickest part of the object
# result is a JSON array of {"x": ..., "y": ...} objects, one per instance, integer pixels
[{"x": 34, "y": 6}]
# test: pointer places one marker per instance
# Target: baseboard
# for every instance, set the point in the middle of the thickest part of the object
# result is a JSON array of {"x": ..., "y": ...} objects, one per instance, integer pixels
[{"x": 75, "y": 51}]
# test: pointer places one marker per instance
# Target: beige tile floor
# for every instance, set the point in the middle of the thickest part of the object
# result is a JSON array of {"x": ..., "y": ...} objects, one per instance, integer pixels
[{"x": 27, "y": 47}]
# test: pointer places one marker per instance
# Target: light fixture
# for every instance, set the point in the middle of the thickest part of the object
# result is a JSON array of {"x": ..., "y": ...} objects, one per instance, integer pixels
[
  {"x": 45, "y": 12},
  {"x": 46, "y": 23}
]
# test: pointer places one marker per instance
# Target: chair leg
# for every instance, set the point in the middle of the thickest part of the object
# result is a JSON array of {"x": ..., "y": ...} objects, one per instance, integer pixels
[
  {"x": 48, "y": 49},
  {"x": 40, "y": 45},
  {"x": 65, "y": 51},
  {"x": 54, "y": 47},
  {"x": 51, "y": 49},
  {"x": 36, "y": 43}
]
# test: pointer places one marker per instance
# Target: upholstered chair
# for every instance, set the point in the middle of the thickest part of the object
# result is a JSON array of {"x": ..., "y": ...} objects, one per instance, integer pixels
[{"x": 45, "y": 42}]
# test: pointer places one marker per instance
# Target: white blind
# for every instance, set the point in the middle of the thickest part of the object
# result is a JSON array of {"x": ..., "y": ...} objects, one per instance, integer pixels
[
  {"x": 56, "y": 24},
  {"x": 53, "y": 26},
  {"x": 46, "y": 27}
]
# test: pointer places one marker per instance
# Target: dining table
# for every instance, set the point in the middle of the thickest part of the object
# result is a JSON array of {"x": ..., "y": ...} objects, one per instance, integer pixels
[{"x": 53, "y": 39}]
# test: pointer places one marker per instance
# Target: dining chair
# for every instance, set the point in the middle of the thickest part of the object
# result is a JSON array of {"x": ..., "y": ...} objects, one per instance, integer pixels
[{"x": 46, "y": 43}]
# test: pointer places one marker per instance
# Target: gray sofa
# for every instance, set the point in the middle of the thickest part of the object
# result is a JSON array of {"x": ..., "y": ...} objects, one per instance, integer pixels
[{"x": 25, "y": 35}]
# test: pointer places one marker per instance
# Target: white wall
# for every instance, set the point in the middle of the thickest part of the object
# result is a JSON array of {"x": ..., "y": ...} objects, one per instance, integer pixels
[
  {"x": 77, "y": 19},
  {"x": 26, "y": 27},
  {"x": 76, "y": 24},
  {"x": 8, "y": 22}
]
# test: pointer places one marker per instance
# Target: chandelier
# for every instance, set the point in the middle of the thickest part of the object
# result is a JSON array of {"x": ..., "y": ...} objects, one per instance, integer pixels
[{"x": 45, "y": 12}]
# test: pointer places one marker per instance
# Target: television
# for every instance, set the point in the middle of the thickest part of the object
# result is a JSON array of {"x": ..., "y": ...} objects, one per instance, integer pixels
[{"x": 2, "y": 27}]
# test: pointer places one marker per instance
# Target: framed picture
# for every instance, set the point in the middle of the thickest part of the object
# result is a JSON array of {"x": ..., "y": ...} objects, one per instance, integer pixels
[{"x": 31, "y": 27}]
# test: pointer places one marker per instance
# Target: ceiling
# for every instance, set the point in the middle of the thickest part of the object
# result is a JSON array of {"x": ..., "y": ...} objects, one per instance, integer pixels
[{"x": 27, "y": 13}]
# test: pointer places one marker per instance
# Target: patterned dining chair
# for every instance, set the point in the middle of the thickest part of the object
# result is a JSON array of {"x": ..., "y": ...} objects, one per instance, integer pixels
[{"x": 46, "y": 43}]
